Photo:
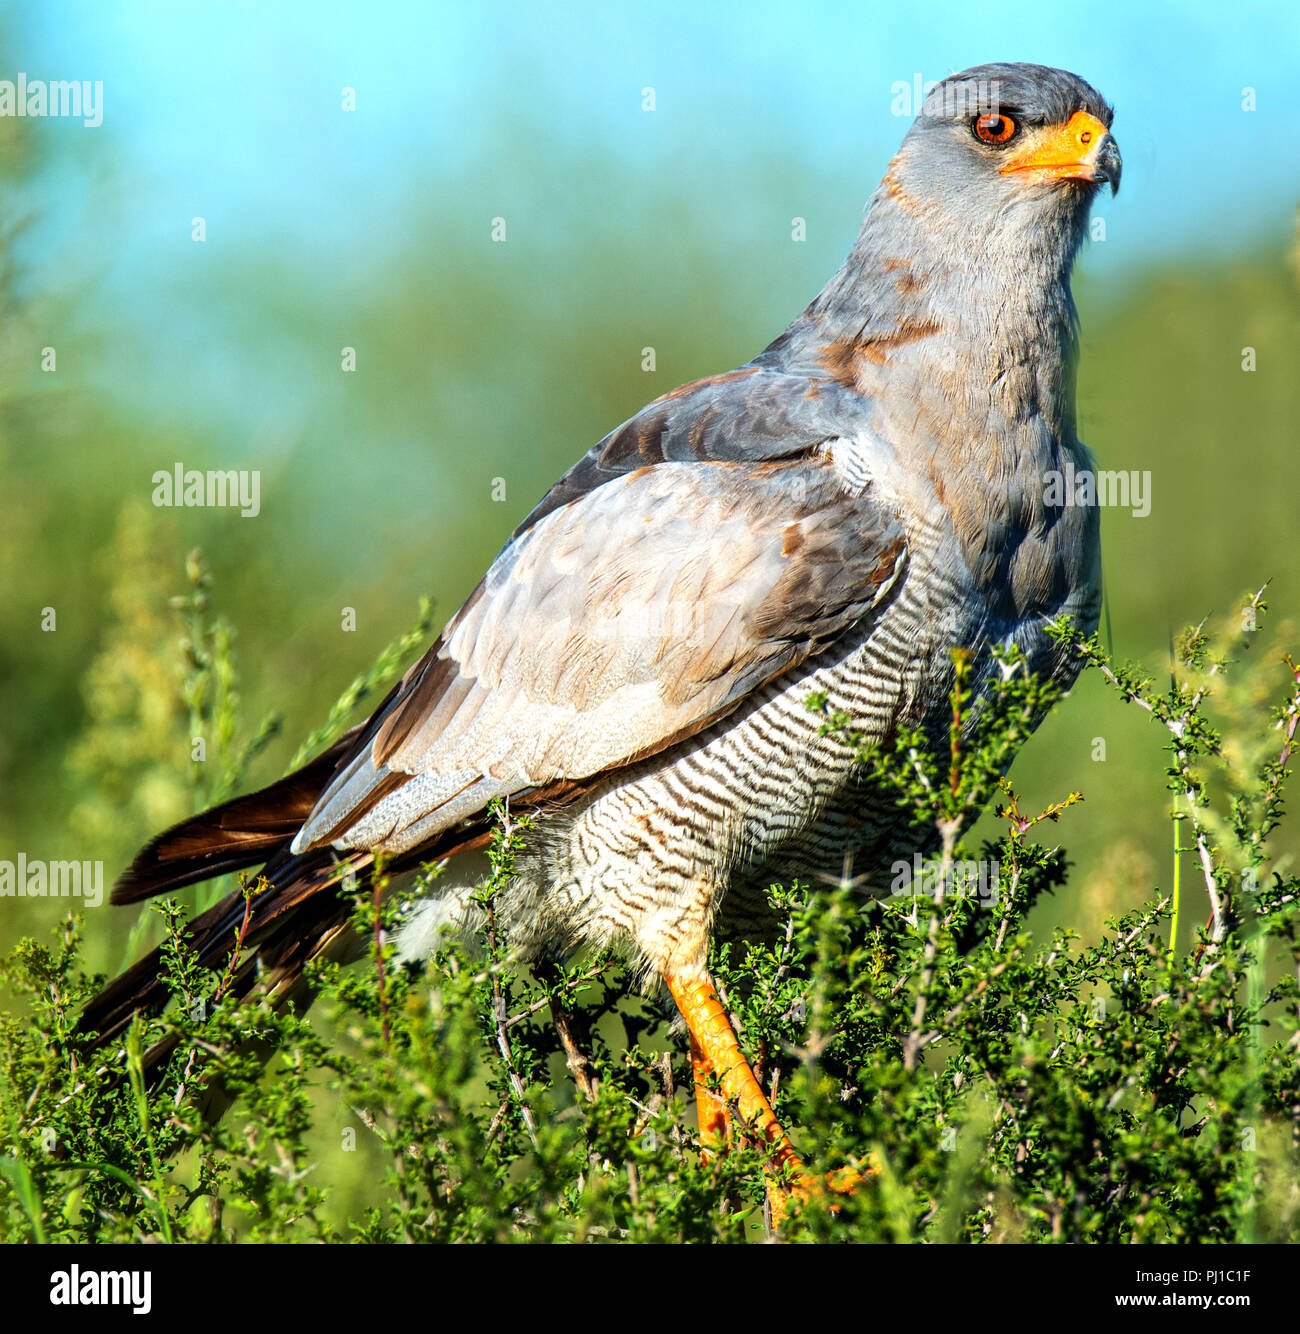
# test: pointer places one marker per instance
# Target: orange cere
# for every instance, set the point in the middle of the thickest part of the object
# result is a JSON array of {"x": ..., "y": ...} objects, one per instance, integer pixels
[{"x": 1068, "y": 150}]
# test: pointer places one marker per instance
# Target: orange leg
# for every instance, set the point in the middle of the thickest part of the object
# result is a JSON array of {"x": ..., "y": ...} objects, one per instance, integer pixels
[
  {"x": 709, "y": 1108},
  {"x": 714, "y": 1049},
  {"x": 715, "y": 1042}
]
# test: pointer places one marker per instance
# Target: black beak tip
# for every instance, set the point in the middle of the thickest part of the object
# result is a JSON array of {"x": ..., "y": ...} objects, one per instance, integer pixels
[{"x": 1110, "y": 164}]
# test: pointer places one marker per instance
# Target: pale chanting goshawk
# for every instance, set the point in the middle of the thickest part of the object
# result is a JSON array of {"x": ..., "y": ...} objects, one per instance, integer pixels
[{"x": 836, "y": 515}]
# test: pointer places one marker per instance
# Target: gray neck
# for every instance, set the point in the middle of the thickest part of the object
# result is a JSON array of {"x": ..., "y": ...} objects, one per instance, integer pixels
[
  {"x": 965, "y": 362},
  {"x": 949, "y": 337}
]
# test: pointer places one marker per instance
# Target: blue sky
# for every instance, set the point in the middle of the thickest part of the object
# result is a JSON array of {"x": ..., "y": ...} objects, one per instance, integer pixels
[{"x": 232, "y": 103}]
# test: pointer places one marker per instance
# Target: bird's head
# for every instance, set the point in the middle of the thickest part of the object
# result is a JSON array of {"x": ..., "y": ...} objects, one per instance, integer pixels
[
  {"x": 1002, "y": 154},
  {"x": 962, "y": 267}
]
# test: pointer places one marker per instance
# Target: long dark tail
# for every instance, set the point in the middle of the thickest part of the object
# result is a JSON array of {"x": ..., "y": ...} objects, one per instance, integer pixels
[{"x": 298, "y": 914}]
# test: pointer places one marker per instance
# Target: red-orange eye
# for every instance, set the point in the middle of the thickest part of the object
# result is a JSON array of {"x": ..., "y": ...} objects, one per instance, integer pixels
[{"x": 994, "y": 129}]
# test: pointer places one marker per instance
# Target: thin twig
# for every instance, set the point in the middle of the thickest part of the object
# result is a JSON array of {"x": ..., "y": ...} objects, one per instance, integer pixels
[
  {"x": 912, "y": 1046},
  {"x": 576, "y": 1059}
]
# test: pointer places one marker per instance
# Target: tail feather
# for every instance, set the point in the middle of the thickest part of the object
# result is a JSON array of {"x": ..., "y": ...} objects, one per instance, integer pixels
[
  {"x": 214, "y": 935},
  {"x": 274, "y": 975},
  {"x": 298, "y": 913},
  {"x": 298, "y": 910},
  {"x": 230, "y": 837}
]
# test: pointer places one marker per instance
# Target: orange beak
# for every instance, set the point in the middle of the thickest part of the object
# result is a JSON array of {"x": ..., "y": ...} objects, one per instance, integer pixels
[{"x": 1081, "y": 149}]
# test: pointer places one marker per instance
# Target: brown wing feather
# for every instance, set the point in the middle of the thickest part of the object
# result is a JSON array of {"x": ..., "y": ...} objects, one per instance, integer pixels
[{"x": 740, "y": 528}]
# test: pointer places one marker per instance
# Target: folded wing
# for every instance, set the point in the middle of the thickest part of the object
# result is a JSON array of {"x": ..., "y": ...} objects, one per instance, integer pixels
[{"x": 650, "y": 602}]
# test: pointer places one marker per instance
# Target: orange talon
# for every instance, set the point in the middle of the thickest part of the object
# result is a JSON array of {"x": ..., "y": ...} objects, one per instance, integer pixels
[{"x": 845, "y": 1180}]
